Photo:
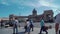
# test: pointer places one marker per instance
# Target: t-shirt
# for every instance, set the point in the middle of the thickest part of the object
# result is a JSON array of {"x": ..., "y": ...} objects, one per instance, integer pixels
[
  {"x": 16, "y": 22},
  {"x": 31, "y": 22},
  {"x": 42, "y": 23},
  {"x": 28, "y": 24}
]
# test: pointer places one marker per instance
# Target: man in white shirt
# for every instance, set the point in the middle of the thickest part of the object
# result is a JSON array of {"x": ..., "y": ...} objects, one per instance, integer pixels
[
  {"x": 28, "y": 26},
  {"x": 15, "y": 25},
  {"x": 57, "y": 21}
]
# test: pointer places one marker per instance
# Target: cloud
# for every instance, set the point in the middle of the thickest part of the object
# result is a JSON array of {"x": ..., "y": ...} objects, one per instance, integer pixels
[
  {"x": 48, "y": 4},
  {"x": 30, "y": 3},
  {"x": 39, "y": 3},
  {"x": 5, "y": 3}
]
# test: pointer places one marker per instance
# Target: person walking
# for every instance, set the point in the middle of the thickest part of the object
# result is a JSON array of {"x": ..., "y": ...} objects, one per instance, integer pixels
[
  {"x": 43, "y": 27},
  {"x": 25, "y": 26},
  {"x": 57, "y": 23},
  {"x": 15, "y": 25},
  {"x": 31, "y": 25},
  {"x": 2, "y": 23},
  {"x": 28, "y": 27}
]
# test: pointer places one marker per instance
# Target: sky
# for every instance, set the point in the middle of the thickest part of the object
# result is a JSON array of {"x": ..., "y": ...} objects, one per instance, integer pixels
[{"x": 25, "y": 7}]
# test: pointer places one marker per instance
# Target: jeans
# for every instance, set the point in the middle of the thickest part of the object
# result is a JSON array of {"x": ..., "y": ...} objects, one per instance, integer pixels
[
  {"x": 28, "y": 30},
  {"x": 43, "y": 29},
  {"x": 15, "y": 29},
  {"x": 25, "y": 27},
  {"x": 31, "y": 27}
]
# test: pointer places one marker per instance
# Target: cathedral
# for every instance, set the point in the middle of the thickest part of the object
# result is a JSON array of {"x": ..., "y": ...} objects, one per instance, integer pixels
[{"x": 47, "y": 16}]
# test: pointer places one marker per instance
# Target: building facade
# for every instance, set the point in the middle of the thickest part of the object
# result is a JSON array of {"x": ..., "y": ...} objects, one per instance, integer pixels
[{"x": 47, "y": 15}]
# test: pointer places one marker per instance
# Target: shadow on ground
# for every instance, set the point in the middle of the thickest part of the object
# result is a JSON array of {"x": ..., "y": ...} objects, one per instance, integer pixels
[{"x": 21, "y": 33}]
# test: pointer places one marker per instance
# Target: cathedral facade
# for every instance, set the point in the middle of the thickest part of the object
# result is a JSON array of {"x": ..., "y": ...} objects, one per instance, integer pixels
[{"x": 47, "y": 16}]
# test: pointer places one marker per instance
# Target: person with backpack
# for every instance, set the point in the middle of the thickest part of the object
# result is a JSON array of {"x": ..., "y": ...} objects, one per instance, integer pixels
[
  {"x": 31, "y": 25},
  {"x": 43, "y": 27}
]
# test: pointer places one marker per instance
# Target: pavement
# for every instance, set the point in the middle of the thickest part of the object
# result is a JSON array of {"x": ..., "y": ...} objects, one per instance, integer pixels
[{"x": 9, "y": 30}]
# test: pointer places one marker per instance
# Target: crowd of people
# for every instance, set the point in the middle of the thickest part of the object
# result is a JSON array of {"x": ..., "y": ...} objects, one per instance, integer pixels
[{"x": 30, "y": 26}]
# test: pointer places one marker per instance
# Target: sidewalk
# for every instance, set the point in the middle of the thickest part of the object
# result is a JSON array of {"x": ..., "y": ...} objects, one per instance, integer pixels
[{"x": 21, "y": 30}]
